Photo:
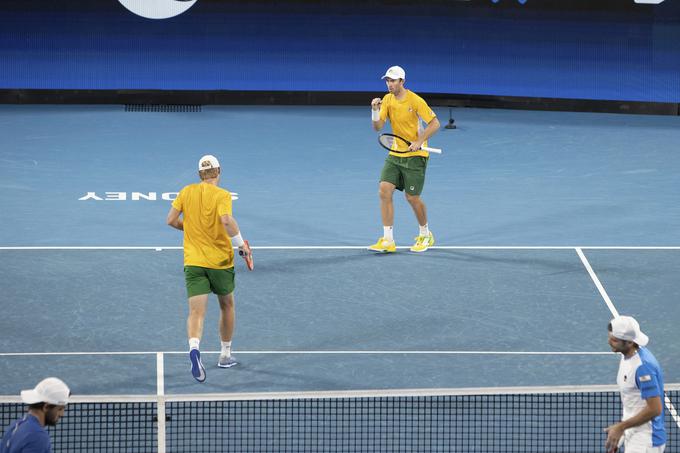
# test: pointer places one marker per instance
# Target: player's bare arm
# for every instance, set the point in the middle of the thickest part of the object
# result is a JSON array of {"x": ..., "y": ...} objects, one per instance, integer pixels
[
  {"x": 174, "y": 219},
  {"x": 615, "y": 431},
  {"x": 375, "y": 107},
  {"x": 429, "y": 131},
  {"x": 231, "y": 225}
]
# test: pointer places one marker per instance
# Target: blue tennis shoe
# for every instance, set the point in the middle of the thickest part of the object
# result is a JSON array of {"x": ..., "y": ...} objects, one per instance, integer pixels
[{"x": 197, "y": 368}]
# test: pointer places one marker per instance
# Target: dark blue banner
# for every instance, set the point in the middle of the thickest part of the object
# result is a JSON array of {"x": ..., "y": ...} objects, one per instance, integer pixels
[{"x": 599, "y": 51}]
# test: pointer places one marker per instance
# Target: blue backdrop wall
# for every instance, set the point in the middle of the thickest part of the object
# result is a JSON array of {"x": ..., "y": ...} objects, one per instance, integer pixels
[{"x": 600, "y": 51}]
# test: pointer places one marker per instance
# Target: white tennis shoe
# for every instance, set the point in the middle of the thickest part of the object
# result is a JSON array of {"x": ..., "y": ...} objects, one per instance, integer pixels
[{"x": 226, "y": 361}]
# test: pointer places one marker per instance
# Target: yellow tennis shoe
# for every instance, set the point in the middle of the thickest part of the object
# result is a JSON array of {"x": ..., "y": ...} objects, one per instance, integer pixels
[
  {"x": 383, "y": 245},
  {"x": 423, "y": 243}
]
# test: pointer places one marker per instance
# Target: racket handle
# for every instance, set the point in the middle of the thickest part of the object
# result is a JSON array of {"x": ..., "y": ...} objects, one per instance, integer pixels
[{"x": 431, "y": 150}]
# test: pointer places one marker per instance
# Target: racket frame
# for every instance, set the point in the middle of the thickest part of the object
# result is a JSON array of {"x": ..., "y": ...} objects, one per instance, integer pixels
[{"x": 424, "y": 148}]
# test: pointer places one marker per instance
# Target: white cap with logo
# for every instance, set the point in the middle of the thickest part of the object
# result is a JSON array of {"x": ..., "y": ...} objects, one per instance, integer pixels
[
  {"x": 627, "y": 328},
  {"x": 207, "y": 162},
  {"x": 51, "y": 390},
  {"x": 394, "y": 73}
]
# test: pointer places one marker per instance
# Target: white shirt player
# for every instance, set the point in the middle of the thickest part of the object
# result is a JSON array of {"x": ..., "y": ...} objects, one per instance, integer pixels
[{"x": 640, "y": 377}]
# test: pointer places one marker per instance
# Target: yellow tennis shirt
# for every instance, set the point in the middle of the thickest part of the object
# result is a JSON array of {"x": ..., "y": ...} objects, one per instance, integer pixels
[
  {"x": 206, "y": 243},
  {"x": 405, "y": 116}
]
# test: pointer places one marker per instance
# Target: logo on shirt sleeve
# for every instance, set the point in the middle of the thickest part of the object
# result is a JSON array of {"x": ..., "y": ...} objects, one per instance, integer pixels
[{"x": 645, "y": 378}]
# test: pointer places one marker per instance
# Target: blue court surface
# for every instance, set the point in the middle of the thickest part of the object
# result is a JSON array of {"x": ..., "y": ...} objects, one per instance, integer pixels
[{"x": 546, "y": 224}]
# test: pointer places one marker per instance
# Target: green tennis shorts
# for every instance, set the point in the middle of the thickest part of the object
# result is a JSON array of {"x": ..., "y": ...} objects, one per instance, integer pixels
[
  {"x": 201, "y": 280},
  {"x": 406, "y": 173}
]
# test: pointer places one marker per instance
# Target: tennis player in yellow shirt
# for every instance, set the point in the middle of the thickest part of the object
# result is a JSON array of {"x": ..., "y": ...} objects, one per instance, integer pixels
[
  {"x": 404, "y": 171},
  {"x": 203, "y": 212}
]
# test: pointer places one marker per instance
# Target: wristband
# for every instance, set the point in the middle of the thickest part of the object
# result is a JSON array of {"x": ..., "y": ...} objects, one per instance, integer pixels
[
  {"x": 375, "y": 115},
  {"x": 237, "y": 240}
]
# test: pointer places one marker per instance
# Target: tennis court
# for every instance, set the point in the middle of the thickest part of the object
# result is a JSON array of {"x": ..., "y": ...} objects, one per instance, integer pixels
[{"x": 546, "y": 224}]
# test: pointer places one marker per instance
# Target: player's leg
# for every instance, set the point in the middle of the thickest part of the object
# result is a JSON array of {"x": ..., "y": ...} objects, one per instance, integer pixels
[
  {"x": 222, "y": 283},
  {"x": 419, "y": 208},
  {"x": 198, "y": 288},
  {"x": 385, "y": 192},
  {"x": 385, "y": 242},
  {"x": 227, "y": 324},
  {"x": 414, "y": 181},
  {"x": 390, "y": 179},
  {"x": 197, "y": 307},
  {"x": 227, "y": 316}
]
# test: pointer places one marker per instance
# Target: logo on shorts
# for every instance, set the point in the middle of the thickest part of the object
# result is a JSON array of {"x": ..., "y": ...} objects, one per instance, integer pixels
[
  {"x": 413, "y": 188},
  {"x": 157, "y": 9}
]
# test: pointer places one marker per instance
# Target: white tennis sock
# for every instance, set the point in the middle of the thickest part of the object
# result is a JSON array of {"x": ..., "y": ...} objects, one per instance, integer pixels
[
  {"x": 194, "y": 342},
  {"x": 226, "y": 348},
  {"x": 387, "y": 233},
  {"x": 424, "y": 230}
]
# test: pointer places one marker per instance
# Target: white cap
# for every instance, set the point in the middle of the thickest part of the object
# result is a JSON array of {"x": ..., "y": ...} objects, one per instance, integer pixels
[
  {"x": 395, "y": 72},
  {"x": 627, "y": 328},
  {"x": 50, "y": 390},
  {"x": 207, "y": 162}
]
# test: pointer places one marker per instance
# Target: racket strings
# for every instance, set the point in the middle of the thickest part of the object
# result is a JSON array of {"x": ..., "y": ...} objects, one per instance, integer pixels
[{"x": 394, "y": 143}]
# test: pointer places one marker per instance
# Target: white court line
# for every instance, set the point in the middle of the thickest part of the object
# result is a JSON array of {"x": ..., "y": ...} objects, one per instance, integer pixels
[
  {"x": 597, "y": 282},
  {"x": 311, "y": 352},
  {"x": 160, "y": 373},
  {"x": 615, "y": 313},
  {"x": 90, "y": 247},
  {"x": 160, "y": 407},
  {"x": 672, "y": 411},
  {"x": 357, "y": 247}
]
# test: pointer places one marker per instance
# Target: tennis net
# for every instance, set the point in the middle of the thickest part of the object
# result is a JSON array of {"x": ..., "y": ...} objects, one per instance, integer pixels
[{"x": 526, "y": 420}]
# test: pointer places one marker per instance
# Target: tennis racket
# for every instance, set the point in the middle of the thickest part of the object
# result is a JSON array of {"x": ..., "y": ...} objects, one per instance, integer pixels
[
  {"x": 396, "y": 144},
  {"x": 247, "y": 255}
]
